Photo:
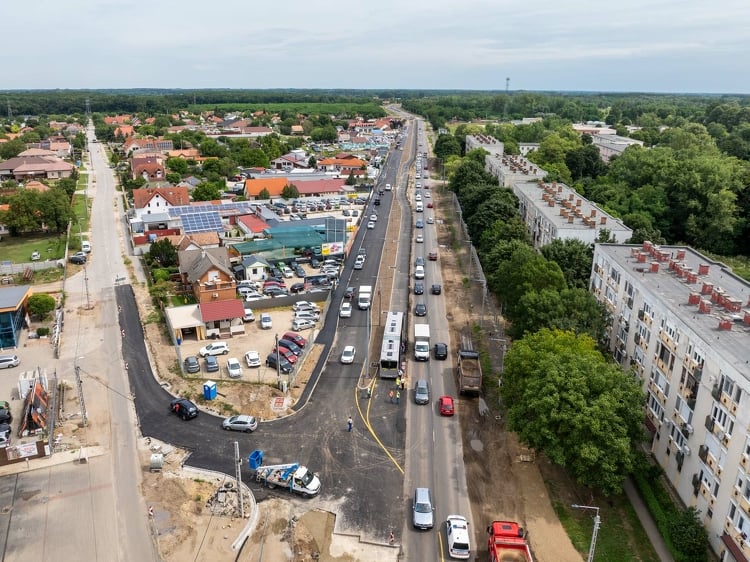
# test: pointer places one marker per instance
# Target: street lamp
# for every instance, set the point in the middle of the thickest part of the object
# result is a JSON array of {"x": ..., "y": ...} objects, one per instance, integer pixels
[{"x": 597, "y": 520}]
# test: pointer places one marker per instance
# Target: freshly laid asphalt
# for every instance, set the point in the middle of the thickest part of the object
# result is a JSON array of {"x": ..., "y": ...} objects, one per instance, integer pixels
[{"x": 360, "y": 481}]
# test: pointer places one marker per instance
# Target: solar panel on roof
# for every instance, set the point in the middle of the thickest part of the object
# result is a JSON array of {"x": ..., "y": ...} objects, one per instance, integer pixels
[{"x": 207, "y": 221}]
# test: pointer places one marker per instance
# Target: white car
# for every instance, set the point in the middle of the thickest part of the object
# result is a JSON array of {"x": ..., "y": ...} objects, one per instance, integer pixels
[
  {"x": 430, "y": 220},
  {"x": 427, "y": 195},
  {"x": 370, "y": 225},
  {"x": 234, "y": 369},
  {"x": 420, "y": 238},
  {"x": 346, "y": 310},
  {"x": 417, "y": 198},
  {"x": 249, "y": 315},
  {"x": 252, "y": 359},
  {"x": 218, "y": 348},
  {"x": 265, "y": 321},
  {"x": 307, "y": 315},
  {"x": 347, "y": 356},
  {"x": 302, "y": 324},
  {"x": 457, "y": 537},
  {"x": 35, "y": 256},
  {"x": 287, "y": 272},
  {"x": 373, "y": 217},
  {"x": 305, "y": 305}
]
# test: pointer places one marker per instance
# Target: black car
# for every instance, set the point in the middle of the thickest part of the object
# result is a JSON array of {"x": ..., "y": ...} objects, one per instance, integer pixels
[
  {"x": 5, "y": 416},
  {"x": 436, "y": 289},
  {"x": 299, "y": 272},
  {"x": 78, "y": 258},
  {"x": 297, "y": 288},
  {"x": 441, "y": 351},
  {"x": 420, "y": 309},
  {"x": 419, "y": 288},
  {"x": 275, "y": 292},
  {"x": 377, "y": 201},
  {"x": 349, "y": 293},
  {"x": 183, "y": 408},
  {"x": 284, "y": 365},
  {"x": 314, "y": 262},
  {"x": 291, "y": 346}
]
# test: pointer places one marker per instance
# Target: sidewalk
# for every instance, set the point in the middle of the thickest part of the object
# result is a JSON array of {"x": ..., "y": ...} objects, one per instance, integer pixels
[{"x": 647, "y": 521}]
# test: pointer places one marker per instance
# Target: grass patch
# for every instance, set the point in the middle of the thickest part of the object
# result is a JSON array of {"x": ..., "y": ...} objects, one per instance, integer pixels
[
  {"x": 18, "y": 249},
  {"x": 81, "y": 211}
]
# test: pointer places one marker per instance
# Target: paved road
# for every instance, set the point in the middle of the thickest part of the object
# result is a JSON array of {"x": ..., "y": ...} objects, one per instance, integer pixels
[{"x": 361, "y": 475}]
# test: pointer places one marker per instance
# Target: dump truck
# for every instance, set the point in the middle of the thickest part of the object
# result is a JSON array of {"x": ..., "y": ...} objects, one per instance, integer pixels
[
  {"x": 468, "y": 369},
  {"x": 507, "y": 543},
  {"x": 364, "y": 298},
  {"x": 421, "y": 342},
  {"x": 293, "y": 476}
]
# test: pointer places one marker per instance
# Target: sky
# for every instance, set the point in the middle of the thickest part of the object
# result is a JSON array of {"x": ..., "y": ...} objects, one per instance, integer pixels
[{"x": 680, "y": 46}]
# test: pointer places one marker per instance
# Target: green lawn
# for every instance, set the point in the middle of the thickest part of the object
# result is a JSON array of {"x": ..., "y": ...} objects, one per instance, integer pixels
[
  {"x": 81, "y": 213},
  {"x": 18, "y": 249}
]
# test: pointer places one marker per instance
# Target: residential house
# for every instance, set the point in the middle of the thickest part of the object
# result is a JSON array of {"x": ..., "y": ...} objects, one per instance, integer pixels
[
  {"x": 195, "y": 241},
  {"x": 292, "y": 160},
  {"x": 297, "y": 130},
  {"x": 185, "y": 153},
  {"x": 149, "y": 200},
  {"x": 343, "y": 166},
  {"x": 22, "y": 168},
  {"x": 323, "y": 187},
  {"x": 149, "y": 167},
  {"x": 223, "y": 318},
  {"x": 150, "y": 144},
  {"x": 124, "y": 131},
  {"x": 117, "y": 120},
  {"x": 207, "y": 273}
]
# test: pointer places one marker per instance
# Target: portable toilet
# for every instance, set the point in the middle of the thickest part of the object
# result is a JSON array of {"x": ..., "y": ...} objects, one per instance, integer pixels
[
  {"x": 209, "y": 390},
  {"x": 255, "y": 459}
]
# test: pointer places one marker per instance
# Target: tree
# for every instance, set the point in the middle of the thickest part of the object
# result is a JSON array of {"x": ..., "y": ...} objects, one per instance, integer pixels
[
  {"x": 11, "y": 149},
  {"x": 173, "y": 177},
  {"x": 688, "y": 534},
  {"x": 264, "y": 194},
  {"x": 164, "y": 253},
  {"x": 206, "y": 191},
  {"x": 41, "y": 304},
  {"x": 574, "y": 258},
  {"x": 290, "y": 191},
  {"x": 351, "y": 180},
  {"x": 566, "y": 401},
  {"x": 447, "y": 145},
  {"x": 178, "y": 165},
  {"x": 325, "y": 134},
  {"x": 312, "y": 162},
  {"x": 68, "y": 185}
]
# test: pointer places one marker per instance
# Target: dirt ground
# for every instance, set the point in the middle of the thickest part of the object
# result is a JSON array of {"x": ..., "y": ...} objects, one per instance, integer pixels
[{"x": 284, "y": 529}]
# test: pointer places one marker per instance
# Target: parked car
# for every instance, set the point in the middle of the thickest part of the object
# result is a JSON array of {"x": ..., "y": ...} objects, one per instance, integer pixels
[
  {"x": 299, "y": 272},
  {"x": 446, "y": 406},
  {"x": 241, "y": 422},
  {"x": 307, "y": 315},
  {"x": 36, "y": 256},
  {"x": 252, "y": 359},
  {"x": 217, "y": 348},
  {"x": 191, "y": 364},
  {"x": 284, "y": 365},
  {"x": 8, "y": 361},
  {"x": 234, "y": 369},
  {"x": 6, "y": 416},
  {"x": 419, "y": 260},
  {"x": 265, "y": 321},
  {"x": 297, "y": 288},
  {"x": 183, "y": 408},
  {"x": 291, "y": 346},
  {"x": 78, "y": 258},
  {"x": 302, "y": 324},
  {"x": 346, "y": 310},
  {"x": 287, "y": 272},
  {"x": 275, "y": 292},
  {"x": 305, "y": 305},
  {"x": 347, "y": 356},
  {"x": 423, "y": 512},
  {"x": 212, "y": 364},
  {"x": 286, "y": 354},
  {"x": 433, "y": 255},
  {"x": 441, "y": 351},
  {"x": 249, "y": 315},
  {"x": 295, "y": 338}
]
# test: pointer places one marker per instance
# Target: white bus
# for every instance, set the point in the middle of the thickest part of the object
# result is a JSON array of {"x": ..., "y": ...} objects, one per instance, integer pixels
[{"x": 390, "y": 351}]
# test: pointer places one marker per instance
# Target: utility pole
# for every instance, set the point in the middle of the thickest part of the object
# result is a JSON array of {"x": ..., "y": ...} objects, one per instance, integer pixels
[
  {"x": 238, "y": 477},
  {"x": 79, "y": 387},
  {"x": 597, "y": 521},
  {"x": 507, "y": 96}
]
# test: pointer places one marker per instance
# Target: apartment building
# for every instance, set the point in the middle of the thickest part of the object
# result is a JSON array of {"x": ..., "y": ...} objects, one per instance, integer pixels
[
  {"x": 612, "y": 145},
  {"x": 682, "y": 322},
  {"x": 554, "y": 210}
]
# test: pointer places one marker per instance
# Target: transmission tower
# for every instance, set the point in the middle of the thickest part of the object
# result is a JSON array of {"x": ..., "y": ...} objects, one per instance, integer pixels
[
  {"x": 88, "y": 107},
  {"x": 10, "y": 112},
  {"x": 505, "y": 106}
]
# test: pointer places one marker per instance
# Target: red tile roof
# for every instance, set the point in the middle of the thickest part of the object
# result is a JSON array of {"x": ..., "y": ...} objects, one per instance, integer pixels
[
  {"x": 253, "y": 223},
  {"x": 311, "y": 187},
  {"x": 275, "y": 186},
  {"x": 175, "y": 196},
  {"x": 221, "y": 310}
]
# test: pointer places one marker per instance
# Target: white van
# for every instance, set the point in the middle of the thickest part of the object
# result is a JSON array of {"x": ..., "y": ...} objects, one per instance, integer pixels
[
  {"x": 420, "y": 206},
  {"x": 86, "y": 246},
  {"x": 388, "y": 187}
]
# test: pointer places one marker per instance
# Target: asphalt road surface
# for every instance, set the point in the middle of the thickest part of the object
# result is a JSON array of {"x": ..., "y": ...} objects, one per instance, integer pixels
[{"x": 361, "y": 474}]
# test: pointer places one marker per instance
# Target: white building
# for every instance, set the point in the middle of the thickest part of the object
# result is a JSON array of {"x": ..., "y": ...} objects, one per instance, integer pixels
[
  {"x": 487, "y": 142},
  {"x": 553, "y": 210},
  {"x": 612, "y": 145},
  {"x": 682, "y": 321}
]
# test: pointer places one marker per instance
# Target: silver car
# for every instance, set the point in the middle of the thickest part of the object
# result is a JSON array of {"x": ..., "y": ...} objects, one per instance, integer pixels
[
  {"x": 242, "y": 422},
  {"x": 423, "y": 512},
  {"x": 8, "y": 361}
]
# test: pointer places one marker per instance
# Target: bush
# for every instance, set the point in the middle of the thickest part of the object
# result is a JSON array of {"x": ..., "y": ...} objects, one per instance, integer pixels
[{"x": 42, "y": 332}]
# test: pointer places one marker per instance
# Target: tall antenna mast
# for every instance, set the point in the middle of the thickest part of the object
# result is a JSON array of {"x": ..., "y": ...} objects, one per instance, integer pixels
[
  {"x": 10, "y": 112},
  {"x": 507, "y": 97}
]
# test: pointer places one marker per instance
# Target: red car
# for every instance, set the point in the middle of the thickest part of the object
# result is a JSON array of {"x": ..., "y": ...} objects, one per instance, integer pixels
[
  {"x": 432, "y": 256},
  {"x": 429, "y": 205},
  {"x": 296, "y": 338},
  {"x": 446, "y": 406},
  {"x": 286, "y": 354}
]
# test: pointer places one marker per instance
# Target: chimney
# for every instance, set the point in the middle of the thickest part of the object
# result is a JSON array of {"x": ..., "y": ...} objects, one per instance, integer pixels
[
  {"x": 692, "y": 277},
  {"x": 570, "y": 197},
  {"x": 571, "y": 218},
  {"x": 647, "y": 245},
  {"x": 593, "y": 213},
  {"x": 642, "y": 257},
  {"x": 654, "y": 267},
  {"x": 704, "y": 307},
  {"x": 672, "y": 265},
  {"x": 725, "y": 324},
  {"x": 694, "y": 298},
  {"x": 732, "y": 304},
  {"x": 578, "y": 203},
  {"x": 707, "y": 288},
  {"x": 681, "y": 254},
  {"x": 746, "y": 320},
  {"x": 703, "y": 269}
]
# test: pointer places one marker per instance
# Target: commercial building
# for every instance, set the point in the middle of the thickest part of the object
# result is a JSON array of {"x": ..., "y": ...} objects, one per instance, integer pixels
[
  {"x": 681, "y": 321},
  {"x": 553, "y": 210}
]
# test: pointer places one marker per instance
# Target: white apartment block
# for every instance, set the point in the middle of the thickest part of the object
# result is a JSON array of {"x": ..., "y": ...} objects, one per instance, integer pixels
[
  {"x": 612, "y": 145},
  {"x": 554, "y": 210},
  {"x": 682, "y": 322},
  {"x": 487, "y": 142},
  {"x": 507, "y": 168}
]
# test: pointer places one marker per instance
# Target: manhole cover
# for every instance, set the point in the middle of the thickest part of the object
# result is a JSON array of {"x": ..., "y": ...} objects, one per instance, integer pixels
[{"x": 477, "y": 445}]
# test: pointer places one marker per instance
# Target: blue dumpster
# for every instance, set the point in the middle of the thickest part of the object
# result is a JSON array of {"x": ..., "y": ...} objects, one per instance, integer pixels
[
  {"x": 255, "y": 459},
  {"x": 209, "y": 390}
]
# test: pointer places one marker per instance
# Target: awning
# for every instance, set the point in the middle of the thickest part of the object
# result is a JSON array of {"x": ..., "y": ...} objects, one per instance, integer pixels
[{"x": 734, "y": 550}]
